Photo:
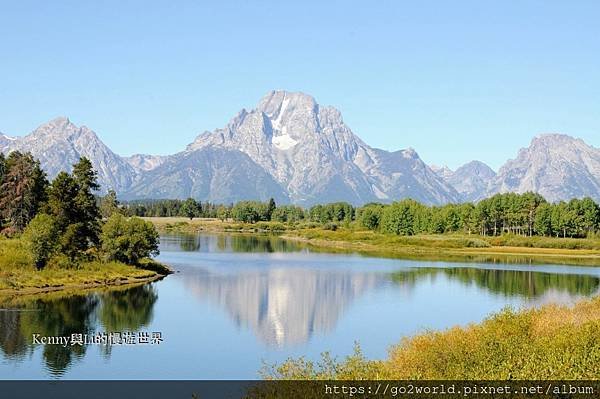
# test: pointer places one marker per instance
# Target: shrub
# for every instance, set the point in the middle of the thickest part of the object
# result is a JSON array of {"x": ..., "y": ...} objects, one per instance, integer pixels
[
  {"x": 62, "y": 262},
  {"x": 477, "y": 243},
  {"x": 330, "y": 226},
  {"x": 128, "y": 240},
  {"x": 41, "y": 236},
  {"x": 370, "y": 216},
  {"x": 269, "y": 226},
  {"x": 250, "y": 212},
  {"x": 73, "y": 241}
]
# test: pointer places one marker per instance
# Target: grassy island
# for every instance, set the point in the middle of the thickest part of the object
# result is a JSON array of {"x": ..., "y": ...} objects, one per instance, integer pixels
[
  {"x": 60, "y": 235},
  {"x": 19, "y": 276}
]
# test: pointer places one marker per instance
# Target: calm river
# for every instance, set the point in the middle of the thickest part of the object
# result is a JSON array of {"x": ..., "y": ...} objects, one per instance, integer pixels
[{"x": 238, "y": 301}]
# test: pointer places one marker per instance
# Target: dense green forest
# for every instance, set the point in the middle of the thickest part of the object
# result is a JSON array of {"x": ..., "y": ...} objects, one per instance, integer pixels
[
  {"x": 526, "y": 214},
  {"x": 63, "y": 220},
  {"x": 77, "y": 213}
]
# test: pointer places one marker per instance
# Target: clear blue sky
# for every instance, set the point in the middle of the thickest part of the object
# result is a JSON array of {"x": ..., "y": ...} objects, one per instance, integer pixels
[{"x": 454, "y": 80}]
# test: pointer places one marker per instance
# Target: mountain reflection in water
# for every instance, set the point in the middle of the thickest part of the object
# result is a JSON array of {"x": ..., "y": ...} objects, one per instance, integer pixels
[
  {"x": 284, "y": 305},
  {"x": 285, "y": 302},
  {"x": 237, "y": 300}
]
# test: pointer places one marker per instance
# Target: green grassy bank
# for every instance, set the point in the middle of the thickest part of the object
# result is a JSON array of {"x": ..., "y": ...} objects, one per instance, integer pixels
[
  {"x": 18, "y": 274},
  {"x": 451, "y": 247}
]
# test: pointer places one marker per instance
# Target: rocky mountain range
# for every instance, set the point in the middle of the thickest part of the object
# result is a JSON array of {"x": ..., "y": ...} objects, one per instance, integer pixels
[
  {"x": 471, "y": 180},
  {"x": 315, "y": 157},
  {"x": 557, "y": 166},
  {"x": 58, "y": 144},
  {"x": 293, "y": 149}
]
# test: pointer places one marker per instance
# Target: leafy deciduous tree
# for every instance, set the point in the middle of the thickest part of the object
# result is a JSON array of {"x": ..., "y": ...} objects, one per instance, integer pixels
[{"x": 128, "y": 240}]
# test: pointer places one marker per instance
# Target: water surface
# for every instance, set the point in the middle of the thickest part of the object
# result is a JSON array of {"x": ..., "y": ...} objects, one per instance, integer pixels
[{"x": 238, "y": 301}]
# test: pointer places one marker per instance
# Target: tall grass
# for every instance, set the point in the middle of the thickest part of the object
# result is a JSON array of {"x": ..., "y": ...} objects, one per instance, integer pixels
[
  {"x": 554, "y": 342},
  {"x": 512, "y": 240},
  {"x": 14, "y": 254}
]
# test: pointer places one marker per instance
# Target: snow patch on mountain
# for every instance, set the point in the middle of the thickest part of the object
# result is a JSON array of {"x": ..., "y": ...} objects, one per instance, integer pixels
[{"x": 284, "y": 142}]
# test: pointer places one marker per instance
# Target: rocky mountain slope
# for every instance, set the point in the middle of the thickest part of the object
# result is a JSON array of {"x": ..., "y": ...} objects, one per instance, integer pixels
[
  {"x": 293, "y": 149},
  {"x": 314, "y": 155},
  {"x": 557, "y": 166},
  {"x": 472, "y": 180},
  {"x": 5, "y": 142},
  {"x": 59, "y": 144},
  {"x": 210, "y": 174}
]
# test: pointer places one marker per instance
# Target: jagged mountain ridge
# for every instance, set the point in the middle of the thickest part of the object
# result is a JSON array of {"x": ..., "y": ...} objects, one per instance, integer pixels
[
  {"x": 59, "y": 144},
  {"x": 296, "y": 150},
  {"x": 315, "y": 156},
  {"x": 557, "y": 166},
  {"x": 472, "y": 180}
]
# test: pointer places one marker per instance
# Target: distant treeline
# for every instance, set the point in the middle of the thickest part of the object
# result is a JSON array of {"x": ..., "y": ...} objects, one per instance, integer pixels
[
  {"x": 78, "y": 213},
  {"x": 172, "y": 208},
  {"x": 521, "y": 214}
]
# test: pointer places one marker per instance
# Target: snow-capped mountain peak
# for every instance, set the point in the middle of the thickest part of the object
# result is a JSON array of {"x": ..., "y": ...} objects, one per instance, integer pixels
[
  {"x": 315, "y": 156},
  {"x": 296, "y": 150}
]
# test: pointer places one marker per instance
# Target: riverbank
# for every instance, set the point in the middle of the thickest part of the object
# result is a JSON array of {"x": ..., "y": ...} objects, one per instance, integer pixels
[
  {"x": 18, "y": 276},
  {"x": 451, "y": 247},
  {"x": 440, "y": 248},
  {"x": 550, "y": 343}
]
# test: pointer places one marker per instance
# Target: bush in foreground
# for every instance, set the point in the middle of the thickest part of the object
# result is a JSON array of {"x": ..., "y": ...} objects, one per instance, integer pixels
[
  {"x": 128, "y": 240},
  {"x": 41, "y": 236}
]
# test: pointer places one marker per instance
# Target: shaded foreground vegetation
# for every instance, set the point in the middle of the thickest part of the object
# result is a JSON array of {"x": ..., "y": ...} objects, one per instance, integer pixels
[{"x": 550, "y": 343}]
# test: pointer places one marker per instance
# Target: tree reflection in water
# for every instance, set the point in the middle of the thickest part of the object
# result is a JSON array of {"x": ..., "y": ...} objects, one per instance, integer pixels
[
  {"x": 127, "y": 310},
  {"x": 12, "y": 342},
  {"x": 109, "y": 311},
  {"x": 241, "y": 243},
  {"x": 509, "y": 283}
]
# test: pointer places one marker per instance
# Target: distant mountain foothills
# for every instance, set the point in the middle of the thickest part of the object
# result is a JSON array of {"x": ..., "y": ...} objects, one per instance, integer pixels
[{"x": 297, "y": 151}]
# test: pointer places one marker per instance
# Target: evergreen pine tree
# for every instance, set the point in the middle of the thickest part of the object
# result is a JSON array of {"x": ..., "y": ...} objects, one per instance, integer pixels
[
  {"x": 109, "y": 204},
  {"x": 88, "y": 213},
  {"x": 23, "y": 189}
]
